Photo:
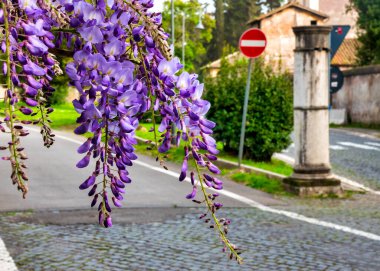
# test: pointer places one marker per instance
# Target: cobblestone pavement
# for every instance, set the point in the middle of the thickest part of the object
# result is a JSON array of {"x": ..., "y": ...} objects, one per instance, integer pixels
[
  {"x": 359, "y": 211},
  {"x": 271, "y": 242}
]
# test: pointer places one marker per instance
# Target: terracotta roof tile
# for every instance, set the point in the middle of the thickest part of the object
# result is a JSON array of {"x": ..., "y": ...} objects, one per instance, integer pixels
[{"x": 346, "y": 55}]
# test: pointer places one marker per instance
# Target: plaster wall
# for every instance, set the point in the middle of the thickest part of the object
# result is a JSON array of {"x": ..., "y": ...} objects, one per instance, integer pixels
[
  {"x": 314, "y": 4},
  {"x": 280, "y": 36},
  {"x": 338, "y": 15},
  {"x": 360, "y": 95}
]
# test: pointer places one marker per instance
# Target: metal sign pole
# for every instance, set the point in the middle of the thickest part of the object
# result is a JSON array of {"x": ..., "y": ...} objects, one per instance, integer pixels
[
  {"x": 329, "y": 63},
  {"x": 252, "y": 44},
  {"x": 245, "y": 109}
]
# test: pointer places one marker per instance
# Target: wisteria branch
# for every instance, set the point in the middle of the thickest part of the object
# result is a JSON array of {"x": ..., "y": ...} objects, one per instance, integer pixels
[
  {"x": 123, "y": 70},
  {"x": 18, "y": 176}
]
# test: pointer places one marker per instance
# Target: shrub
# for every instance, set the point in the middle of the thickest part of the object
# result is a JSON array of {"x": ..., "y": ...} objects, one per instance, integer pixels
[
  {"x": 61, "y": 85},
  {"x": 270, "y": 111}
]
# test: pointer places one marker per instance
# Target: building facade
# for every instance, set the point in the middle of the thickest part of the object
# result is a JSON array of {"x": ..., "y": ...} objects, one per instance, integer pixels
[{"x": 278, "y": 27}]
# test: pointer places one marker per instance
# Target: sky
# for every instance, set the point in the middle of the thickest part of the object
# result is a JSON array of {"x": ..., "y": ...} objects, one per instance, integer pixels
[{"x": 158, "y": 5}]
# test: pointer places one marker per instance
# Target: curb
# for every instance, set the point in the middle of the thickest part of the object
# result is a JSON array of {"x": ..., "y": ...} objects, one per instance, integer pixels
[
  {"x": 229, "y": 164},
  {"x": 346, "y": 183},
  {"x": 266, "y": 173}
]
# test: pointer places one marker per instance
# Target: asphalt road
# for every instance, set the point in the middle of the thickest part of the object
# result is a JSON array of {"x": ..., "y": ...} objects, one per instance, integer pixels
[
  {"x": 155, "y": 233},
  {"x": 54, "y": 181},
  {"x": 354, "y": 156}
]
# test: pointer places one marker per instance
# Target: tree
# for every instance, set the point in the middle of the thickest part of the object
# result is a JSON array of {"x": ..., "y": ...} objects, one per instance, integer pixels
[
  {"x": 238, "y": 13},
  {"x": 197, "y": 40},
  {"x": 123, "y": 70},
  {"x": 270, "y": 4},
  {"x": 368, "y": 22},
  {"x": 231, "y": 21},
  {"x": 219, "y": 29}
]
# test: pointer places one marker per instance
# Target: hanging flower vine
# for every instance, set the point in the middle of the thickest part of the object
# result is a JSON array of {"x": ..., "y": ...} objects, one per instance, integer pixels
[{"x": 123, "y": 70}]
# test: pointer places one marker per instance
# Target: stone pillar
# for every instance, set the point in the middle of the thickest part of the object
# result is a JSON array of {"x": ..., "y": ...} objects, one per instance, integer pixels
[{"x": 312, "y": 171}]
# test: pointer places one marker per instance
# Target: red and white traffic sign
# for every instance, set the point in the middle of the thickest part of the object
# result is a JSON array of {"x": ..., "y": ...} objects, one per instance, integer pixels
[{"x": 252, "y": 43}]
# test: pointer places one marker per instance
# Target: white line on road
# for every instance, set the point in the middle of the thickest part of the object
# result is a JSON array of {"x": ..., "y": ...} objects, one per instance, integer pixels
[
  {"x": 260, "y": 206},
  {"x": 337, "y": 148},
  {"x": 373, "y": 144},
  {"x": 6, "y": 261},
  {"x": 264, "y": 208},
  {"x": 359, "y": 146}
]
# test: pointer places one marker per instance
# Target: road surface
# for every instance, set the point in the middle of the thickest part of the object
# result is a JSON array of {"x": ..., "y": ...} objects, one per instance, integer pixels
[
  {"x": 54, "y": 229},
  {"x": 54, "y": 180},
  {"x": 354, "y": 156}
]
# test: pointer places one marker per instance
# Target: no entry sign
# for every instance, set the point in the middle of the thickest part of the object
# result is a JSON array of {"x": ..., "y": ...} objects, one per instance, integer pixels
[{"x": 252, "y": 43}]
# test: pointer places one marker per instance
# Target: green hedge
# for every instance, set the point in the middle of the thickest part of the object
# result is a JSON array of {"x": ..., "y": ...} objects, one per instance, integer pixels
[{"x": 270, "y": 112}]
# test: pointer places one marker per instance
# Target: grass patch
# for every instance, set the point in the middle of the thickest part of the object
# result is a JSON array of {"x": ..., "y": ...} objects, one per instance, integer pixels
[
  {"x": 252, "y": 180},
  {"x": 64, "y": 116},
  {"x": 16, "y": 213},
  {"x": 274, "y": 165},
  {"x": 143, "y": 131},
  {"x": 173, "y": 155},
  {"x": 259, "y": 182}
]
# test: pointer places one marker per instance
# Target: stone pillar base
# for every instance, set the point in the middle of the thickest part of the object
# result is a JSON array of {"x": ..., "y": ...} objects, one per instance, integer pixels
[{"x": 311, "y": 186}]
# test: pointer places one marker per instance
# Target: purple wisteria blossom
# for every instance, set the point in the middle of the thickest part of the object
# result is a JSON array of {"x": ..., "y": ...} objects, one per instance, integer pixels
[
  {"x": 30, "y": 68},
  {"x": 123, "y": 70}
]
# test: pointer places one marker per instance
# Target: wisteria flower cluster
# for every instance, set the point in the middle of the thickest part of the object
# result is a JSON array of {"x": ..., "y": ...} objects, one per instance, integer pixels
[
  {"x": 123, "y": 70},
  {"x": 28, "y": 67}
]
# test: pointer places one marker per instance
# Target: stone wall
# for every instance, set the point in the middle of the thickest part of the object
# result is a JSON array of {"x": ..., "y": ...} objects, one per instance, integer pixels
[{"x": 360, "y": 95}]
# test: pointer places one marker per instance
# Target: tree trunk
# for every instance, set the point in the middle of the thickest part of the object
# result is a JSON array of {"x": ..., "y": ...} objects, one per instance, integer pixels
[{"x": 219, "y": 17}]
